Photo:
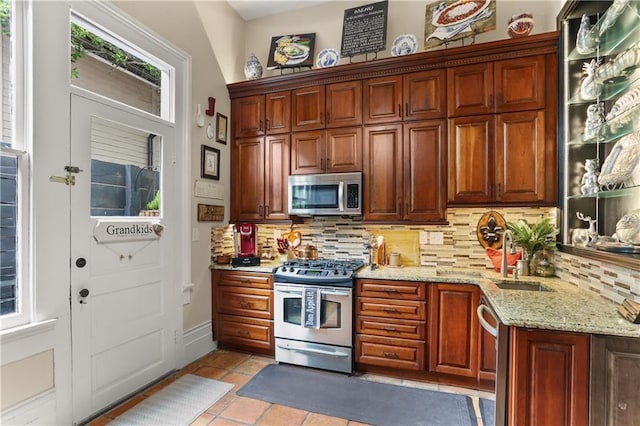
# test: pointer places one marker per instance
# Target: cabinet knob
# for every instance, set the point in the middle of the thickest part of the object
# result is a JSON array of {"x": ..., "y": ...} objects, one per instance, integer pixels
[
  {"x": 266, "y": 211},
  {"x": 400, "y": 110},
  {"x": 406, "y": 109},
  {"x": 622, "y": 405}
]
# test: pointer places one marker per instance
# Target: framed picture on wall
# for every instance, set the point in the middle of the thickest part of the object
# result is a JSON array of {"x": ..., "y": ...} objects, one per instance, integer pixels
[
  {"x": 210, "y": 163},
  {"x": 221, "y": 126},
  {"x": 291, "y": 51}
]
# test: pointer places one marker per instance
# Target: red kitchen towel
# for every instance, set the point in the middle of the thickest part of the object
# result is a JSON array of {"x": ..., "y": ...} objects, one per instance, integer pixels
[{"x": 496, "y": 258}]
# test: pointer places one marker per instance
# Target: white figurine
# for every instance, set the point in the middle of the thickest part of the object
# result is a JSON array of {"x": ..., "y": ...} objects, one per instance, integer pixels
[
  {"x": 590, "y": 178},
  {"x": 585, "y": 40}
]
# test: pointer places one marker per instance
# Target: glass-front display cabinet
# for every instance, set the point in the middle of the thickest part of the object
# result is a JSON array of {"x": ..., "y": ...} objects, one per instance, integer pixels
[{"x": 600, "y": 122}]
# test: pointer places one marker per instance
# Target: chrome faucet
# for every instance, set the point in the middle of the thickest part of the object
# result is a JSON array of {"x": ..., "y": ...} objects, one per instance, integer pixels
[{"x": 507, "y": 236}]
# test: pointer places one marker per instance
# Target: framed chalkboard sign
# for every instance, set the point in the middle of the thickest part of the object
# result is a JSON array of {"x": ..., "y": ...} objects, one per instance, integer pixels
[{"x": 364, "y": 29}]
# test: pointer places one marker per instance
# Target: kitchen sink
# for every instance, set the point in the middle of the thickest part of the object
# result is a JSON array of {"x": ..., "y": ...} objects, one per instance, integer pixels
[
  {"x": 453, "y": 273},
  {"x": 520, "y": 285}
]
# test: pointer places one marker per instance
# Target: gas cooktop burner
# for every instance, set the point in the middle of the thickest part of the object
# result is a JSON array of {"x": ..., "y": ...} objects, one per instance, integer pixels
[{"x": 318, "y": 271}]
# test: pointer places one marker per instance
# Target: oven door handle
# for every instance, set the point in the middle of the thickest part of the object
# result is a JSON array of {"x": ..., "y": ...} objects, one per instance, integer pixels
[
  {"x": 315, "y": 351},
  {"x": 492, "y": 330},
  {"x": 335, "y": 293},
  {"x": 289, "y": 291}
]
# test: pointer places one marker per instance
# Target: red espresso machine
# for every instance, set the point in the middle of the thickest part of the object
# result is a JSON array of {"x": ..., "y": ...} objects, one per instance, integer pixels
[{"x": 245, "y": 239}]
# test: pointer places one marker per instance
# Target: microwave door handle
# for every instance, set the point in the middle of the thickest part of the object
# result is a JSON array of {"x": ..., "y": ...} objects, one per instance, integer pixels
[{"x": 341, "y": 196}]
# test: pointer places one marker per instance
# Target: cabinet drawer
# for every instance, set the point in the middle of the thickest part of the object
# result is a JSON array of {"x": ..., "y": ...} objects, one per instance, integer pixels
[
  {"x": 385, "y": 308},
  {"x": 404, "y": 290},
  {"x": 405, "y": 329},
  {"x": 246, "y": 332},
  {"x": 251, "y": 302},
  {"x": 389, "y": 352},
  {"x": 243, "y": 279}
]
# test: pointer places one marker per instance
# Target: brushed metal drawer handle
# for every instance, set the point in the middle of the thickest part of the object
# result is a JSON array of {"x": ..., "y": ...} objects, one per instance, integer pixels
[
  {"x": 392, "y": 355},
  {"x": 389, "y": 329},
  {"x": 386, "y": 309},
  {"x": 391, "y": 290},
  {"x": 245, "y": 304}
]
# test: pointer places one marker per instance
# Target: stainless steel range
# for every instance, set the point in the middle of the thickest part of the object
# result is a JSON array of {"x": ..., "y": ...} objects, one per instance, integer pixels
[{"x": 314, "y": 313}]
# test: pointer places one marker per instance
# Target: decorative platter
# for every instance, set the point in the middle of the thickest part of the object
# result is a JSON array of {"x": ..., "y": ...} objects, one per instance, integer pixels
[
  {"x": 327, "y": 58},
  {"x": 618, "y": 248},
  {"x": 459, "y": 12},
  {"x": 404, "y": 44}
]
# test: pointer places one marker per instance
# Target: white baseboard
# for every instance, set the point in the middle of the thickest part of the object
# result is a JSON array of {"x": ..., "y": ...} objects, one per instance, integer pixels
[
  {"x": 39, "y": 410},
  {"x": 198, "y": 341}
]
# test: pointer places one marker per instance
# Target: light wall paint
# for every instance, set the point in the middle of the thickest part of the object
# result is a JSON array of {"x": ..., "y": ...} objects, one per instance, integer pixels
[
  {"x": 26, "y": 377},
  {"x": 403, "y": 17},
  {"x": 207, "y": 81}
]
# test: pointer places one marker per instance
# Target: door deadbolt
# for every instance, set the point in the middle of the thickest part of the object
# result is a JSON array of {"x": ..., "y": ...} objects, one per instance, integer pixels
[
  {"x": 81, "y": 262},
  {"x": 84, "y": 292}
]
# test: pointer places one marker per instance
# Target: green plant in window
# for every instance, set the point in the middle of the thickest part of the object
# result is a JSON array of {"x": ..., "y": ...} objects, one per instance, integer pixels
[
  {"x": 5, "y": 17},
  {"x": 155, "y": 203}
]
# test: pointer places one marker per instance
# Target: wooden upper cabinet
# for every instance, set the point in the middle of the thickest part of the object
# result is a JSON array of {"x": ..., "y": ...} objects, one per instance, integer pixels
[
  {"x": 344, "y": 104},
  {"x": 382, "y": 99},
  {"x": 383, "y": 172},
  {"x": 327, "y": 151},
  {"x": 424, "y": 146},
  {"x": 471, "y": 159},
  {"x": 343, "y": 150},
  {"x": 248, "y": 116},
  {"x": 248, "y": 155},
  {"x": 549, "y": 378},
  {"x": 308, "y": 108},
  {"x": 278, "y": 113},
  {"x": 454, "y": 329},
  {"x": 307, "y": 152},
  {"x": 262, "y": 114},
  {"x": 264, "y": 188},
  {"x": 521, "y": 167},
  {"x": 425, "y": 95},
  {"x": 276, "y": 174},
  {"x": 502, "y": 86}
]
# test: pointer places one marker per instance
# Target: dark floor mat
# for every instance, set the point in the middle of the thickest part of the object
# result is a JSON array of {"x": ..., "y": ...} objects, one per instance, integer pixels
[
  {"x": 338, "y": 395},
  {"x": 488, "y": 411}
]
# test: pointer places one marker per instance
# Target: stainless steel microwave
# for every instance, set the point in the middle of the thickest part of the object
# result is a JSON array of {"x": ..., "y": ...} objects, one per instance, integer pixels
[{"x": 325, "y": 194}]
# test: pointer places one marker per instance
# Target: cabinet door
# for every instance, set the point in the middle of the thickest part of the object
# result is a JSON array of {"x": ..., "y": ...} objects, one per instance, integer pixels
[
  {"x": 248, "y": 189},
  {"x": 454, "y": 329},
  {"x": 425, "y": 95},
  {"x": 344, "y": 104},
  {"x": 470, "y": 89},
  {"x": 382, "y": 100},
  {"x": 278, "y": 113},
  {"x": 307, "y": 152},
  {"x": 520, "y": 162},
  {"x": 382, "y": 168},
  {"x": 307, "y": 108},
  {"x": 425, "y": 171},
  {"x": 615, "y": 374},
  {"x": 276, "y": 174},
  {"x": 248, "y": 116},
  {"x": 343, "y": 150},
  {"x": 520, "y": 84},
  {"x": 471, "y": 159},
  {"x": 549, "y": 373}
]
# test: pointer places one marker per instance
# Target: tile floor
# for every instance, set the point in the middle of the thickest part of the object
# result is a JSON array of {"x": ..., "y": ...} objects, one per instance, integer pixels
[{"x": 238, "y": 368}]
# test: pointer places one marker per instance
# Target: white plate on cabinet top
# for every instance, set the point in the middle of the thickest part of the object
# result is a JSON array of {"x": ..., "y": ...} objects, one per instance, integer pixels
[
  {"x": 404, "y": 44},
  {"x": 327, "y": 58}
]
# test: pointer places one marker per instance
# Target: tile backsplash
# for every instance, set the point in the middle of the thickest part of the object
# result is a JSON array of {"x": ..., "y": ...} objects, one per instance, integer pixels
[{"x": 342, "y": 238}]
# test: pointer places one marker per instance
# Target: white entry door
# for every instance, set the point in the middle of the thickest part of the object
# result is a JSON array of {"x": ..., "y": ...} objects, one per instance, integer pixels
[{"x": 124, "y": 286}]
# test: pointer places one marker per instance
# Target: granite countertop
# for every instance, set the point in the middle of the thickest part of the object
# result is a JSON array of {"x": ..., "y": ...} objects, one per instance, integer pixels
[{"x": 565, "y": 308}]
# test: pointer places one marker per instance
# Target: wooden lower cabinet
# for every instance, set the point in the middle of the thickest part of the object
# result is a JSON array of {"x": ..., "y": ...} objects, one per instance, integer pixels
[
  {"x": 391, "y": 324},
  {"x": 242, "y": 307},
  {"x": 615, "y": 377},
  {"x": 454, "y": 329},
  {"x": 548, "y": 378}
]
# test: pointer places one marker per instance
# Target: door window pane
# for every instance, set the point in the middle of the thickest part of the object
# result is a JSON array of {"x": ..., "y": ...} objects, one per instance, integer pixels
[
  {"x": 115, "y": 71},
  {"x": 125, "y": 170}
]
